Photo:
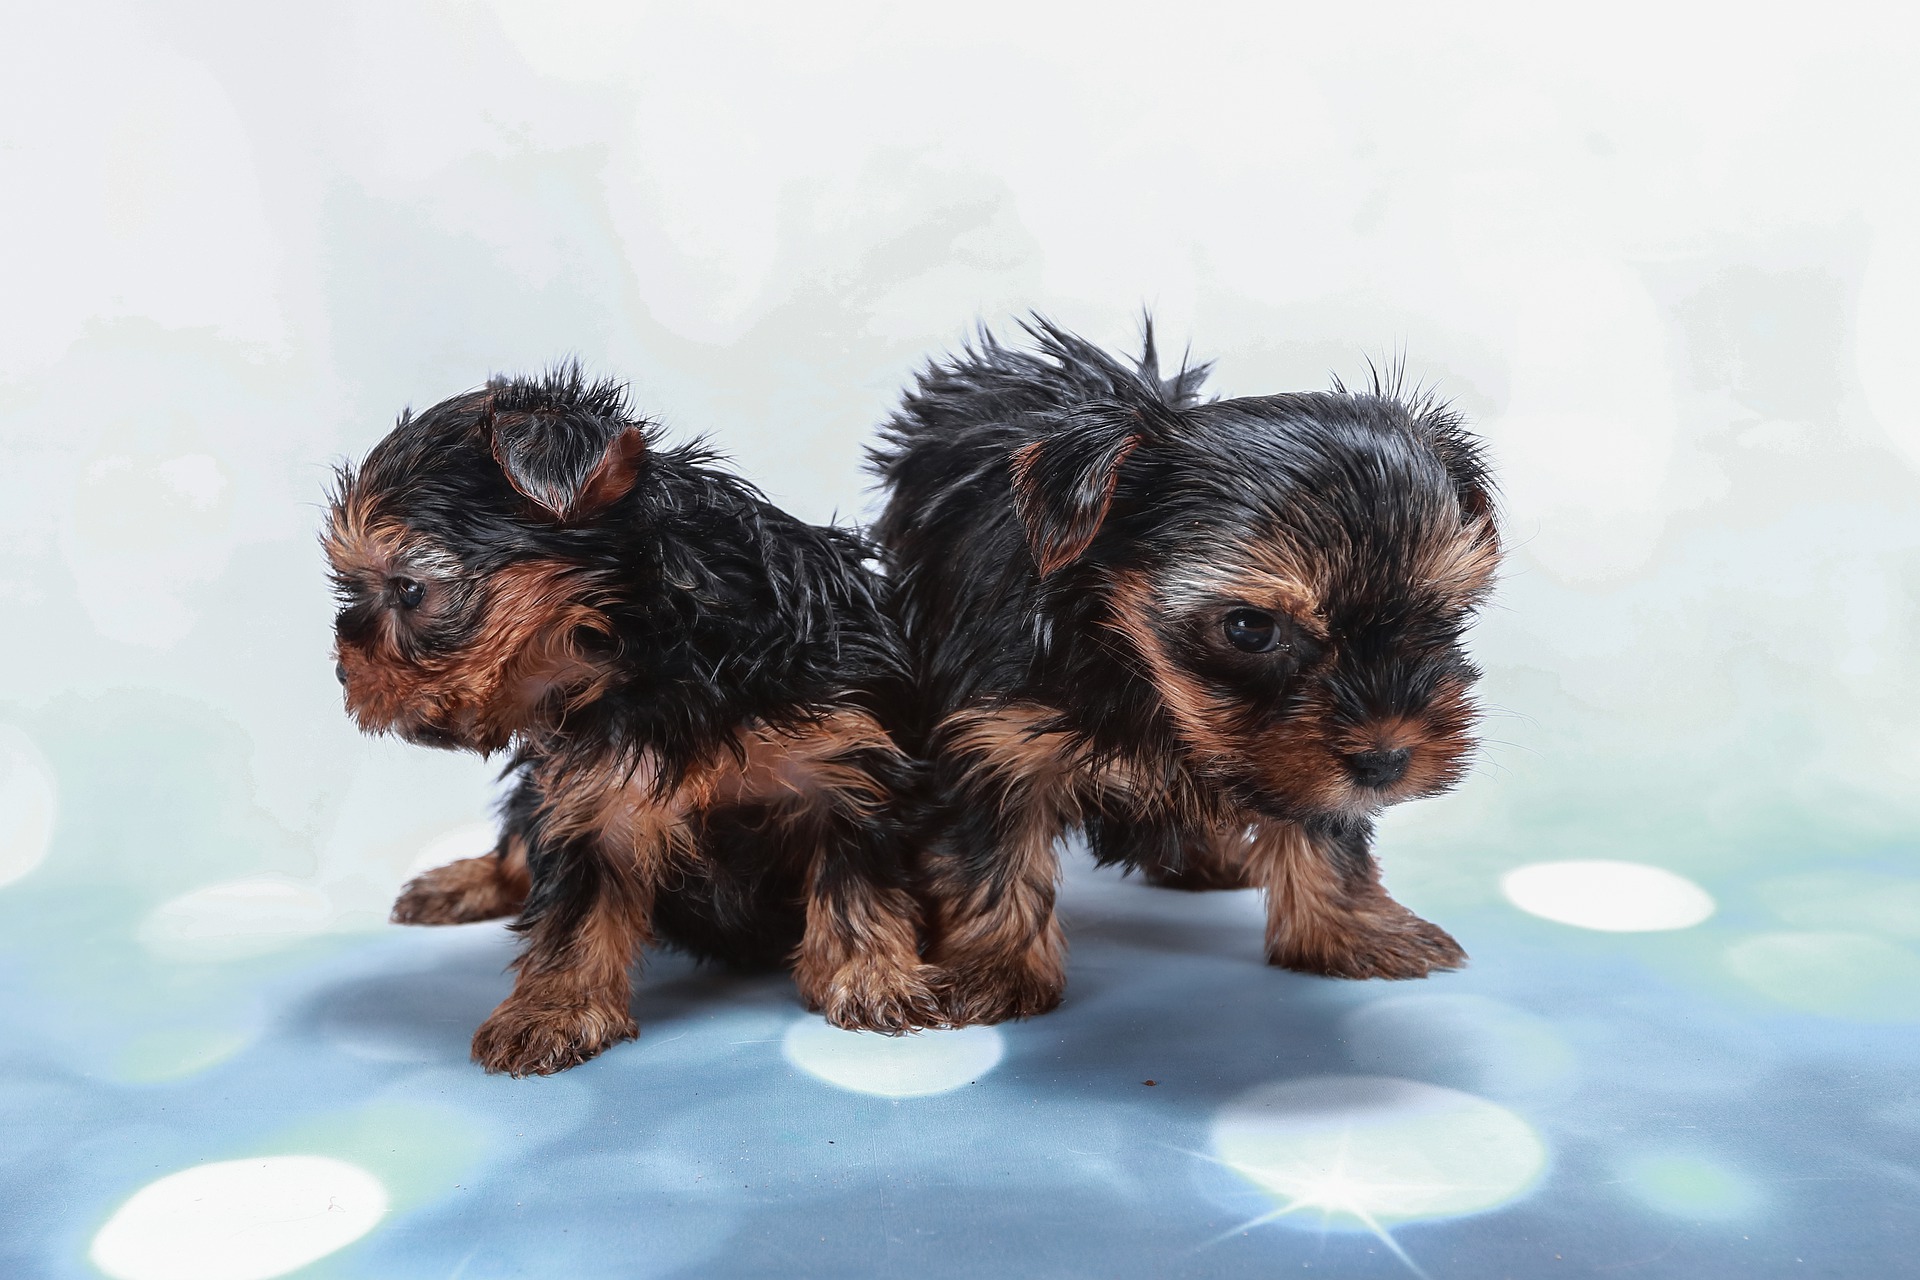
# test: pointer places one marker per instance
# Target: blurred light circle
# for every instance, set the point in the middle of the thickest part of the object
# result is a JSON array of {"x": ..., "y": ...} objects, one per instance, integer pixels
[
  {"x": 239, "y": 1220},
  {"x": 176, "y": 1052},
  {"x": 1614, "y": 897},
  {"x": 236, "y": 919},
  {"x": 1689, "y": 1186},
  {"x": 1835, "y": 974},
  {"x": 28, "y": 799},
  {"x": 909, "y": 1066},
  {"x": 1365, "y": 1152},
  {"x": 1469, "y": 1042},
  {"x": 469, "y": 840}
]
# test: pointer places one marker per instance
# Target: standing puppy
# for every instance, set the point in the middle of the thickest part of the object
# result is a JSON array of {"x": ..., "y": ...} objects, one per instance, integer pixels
[
  {"x": 1218, "y": 636},
  {"x": 693, "y": 682}
]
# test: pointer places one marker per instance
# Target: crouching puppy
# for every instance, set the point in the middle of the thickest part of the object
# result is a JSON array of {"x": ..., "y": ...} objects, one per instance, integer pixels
[
  {"x": 1219, "y": 636},
  {"x": 694, "y": 684}
]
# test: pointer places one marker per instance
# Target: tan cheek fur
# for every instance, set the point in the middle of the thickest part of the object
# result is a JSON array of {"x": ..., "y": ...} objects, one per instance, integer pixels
[
  {"x": 1463, "y": 566},
  {"x": 1300, "y": 758},
  {"x": 1197, "y": 712},
  {"x": 525, "y": 652}
]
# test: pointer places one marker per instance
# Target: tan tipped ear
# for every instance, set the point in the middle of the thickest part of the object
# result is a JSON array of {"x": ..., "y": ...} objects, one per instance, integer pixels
[
  {"x": 1063, "y": 485},
  {"x": 567, "y": 467},
  {"x": 612, "y": 478},
  {"x": 1476, "y": 504}
]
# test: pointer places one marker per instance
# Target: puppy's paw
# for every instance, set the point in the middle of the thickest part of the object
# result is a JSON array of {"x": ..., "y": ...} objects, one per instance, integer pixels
[
  {"x": 980, "y": 997},
  {"x": 458, "y": 893},
  {"x": 1394, "y": 945},
  {"x": 864, "y": 996},
  {"x": 538, "y": 1038}
]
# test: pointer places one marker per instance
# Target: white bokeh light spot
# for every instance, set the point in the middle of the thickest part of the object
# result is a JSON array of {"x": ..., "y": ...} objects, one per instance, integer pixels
[
  {"x": 469, "y": 840},
  {"x": 1614, "y": 897},
  {"x": 910, "y": 1066},
  {"x": 239, "y": 1220},
  {"x": 236, "y": 918},
  {"x": 1367, "y": 1152}
]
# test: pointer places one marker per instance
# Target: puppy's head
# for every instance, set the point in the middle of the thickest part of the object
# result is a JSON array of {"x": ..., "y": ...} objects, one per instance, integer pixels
[
  {"x": 1291, "y": 575},
  {"x": 470, "y": 553}
]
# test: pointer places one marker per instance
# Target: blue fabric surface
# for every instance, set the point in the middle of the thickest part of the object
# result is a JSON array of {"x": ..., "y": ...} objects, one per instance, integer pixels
[{"x": 1585, "y": 1103}]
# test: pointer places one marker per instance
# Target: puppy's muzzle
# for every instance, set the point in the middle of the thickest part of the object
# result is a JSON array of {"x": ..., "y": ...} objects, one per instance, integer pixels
[{"x": 1379, "y": 768}]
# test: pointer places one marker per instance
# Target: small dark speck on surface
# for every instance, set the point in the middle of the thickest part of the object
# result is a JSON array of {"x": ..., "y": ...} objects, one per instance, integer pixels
[{"x": 1149, "y": 1082}]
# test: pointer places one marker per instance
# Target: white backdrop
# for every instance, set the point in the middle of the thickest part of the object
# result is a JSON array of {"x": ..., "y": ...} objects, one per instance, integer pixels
[{"x": 1665, "y": 256}]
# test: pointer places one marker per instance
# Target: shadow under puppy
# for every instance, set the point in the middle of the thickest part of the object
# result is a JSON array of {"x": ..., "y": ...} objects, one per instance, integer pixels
[
  {"x": 694, "y": 684},
  {"x": 1219, "y": 636}
]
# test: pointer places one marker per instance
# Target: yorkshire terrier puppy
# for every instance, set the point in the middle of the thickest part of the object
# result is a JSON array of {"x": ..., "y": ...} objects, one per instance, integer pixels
[
  {"x": 695, "y": 686},
  {"x": 1219, "y": 636}
]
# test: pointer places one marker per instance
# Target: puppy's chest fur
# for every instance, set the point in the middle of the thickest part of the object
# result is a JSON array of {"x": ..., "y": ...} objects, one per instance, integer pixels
[{"x": 786, "y": 774}]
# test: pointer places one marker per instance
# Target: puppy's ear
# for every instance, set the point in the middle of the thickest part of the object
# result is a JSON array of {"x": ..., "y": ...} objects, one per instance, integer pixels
[
  {"x": 1476, "y": 504},
  {"x": 1466, "y": 462},
  {"x": 571, "y": 466},
  {"x": 1064, "y": 482}
]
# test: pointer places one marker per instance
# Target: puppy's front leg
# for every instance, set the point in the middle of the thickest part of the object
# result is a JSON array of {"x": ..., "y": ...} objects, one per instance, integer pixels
[
  {"x": 1328, "y": 913},
  {"x": 997, "y": 942},
  {"x": 859, "y": 959},
  {"x": 586, "y": 919},
  {"x": 991, "y": 875},
  {"x": 859, "y": 963}
]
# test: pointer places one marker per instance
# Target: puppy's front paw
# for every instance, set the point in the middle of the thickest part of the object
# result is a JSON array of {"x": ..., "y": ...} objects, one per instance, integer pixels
[
  {"x": 1396, "y": 944},
  {"x": 864, "y": 996},
  {"x": 458, "y": 893},
  {"x": 540, "y": 1037}
]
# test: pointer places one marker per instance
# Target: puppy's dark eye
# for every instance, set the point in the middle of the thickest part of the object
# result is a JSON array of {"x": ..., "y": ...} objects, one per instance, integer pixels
[
  {"x": 1252, "y": 631},
  {"x": 408, "y": 592}
]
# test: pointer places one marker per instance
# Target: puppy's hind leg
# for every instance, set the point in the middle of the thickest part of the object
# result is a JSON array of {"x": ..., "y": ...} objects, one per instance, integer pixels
[
  {"x": 1193, "y": 859},
  {"x": 997, "y": 941},
  {"x": 1328, "y": 913},
  {"x": 489, "y": 887}
]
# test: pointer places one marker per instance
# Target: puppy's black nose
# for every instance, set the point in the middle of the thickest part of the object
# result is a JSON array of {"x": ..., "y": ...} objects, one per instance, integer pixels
[
  {"x": 1379, "y": 768},
  {"x": 340, "y": 672}
]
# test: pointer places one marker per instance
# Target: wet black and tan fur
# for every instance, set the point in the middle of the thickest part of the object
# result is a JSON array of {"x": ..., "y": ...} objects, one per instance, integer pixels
[{"x": 694, "y": 687}]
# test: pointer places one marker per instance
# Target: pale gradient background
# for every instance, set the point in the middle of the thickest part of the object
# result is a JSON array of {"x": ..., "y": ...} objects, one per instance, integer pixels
[{"x": 1666, "y": 256}]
